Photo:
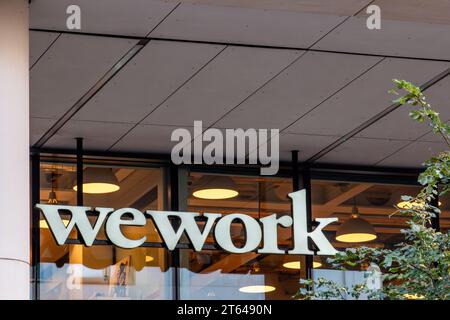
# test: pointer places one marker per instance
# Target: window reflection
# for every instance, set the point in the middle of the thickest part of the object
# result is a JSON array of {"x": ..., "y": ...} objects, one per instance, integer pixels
[
  {"x": 374, "y": 203},
  {"x": 74, "y": 271},
  {"x": 105, "y": 272},
  {"x": 216, "y": 274}
]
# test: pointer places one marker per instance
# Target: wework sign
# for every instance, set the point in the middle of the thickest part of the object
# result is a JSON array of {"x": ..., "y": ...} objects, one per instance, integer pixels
[{"x": 264, "y": 230}]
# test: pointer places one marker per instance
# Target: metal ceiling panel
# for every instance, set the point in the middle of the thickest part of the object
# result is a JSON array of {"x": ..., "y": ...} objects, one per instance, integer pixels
[
  {"x": 69, "y": 69},
  {"x": 302, "y": 86},
  {"x": 146, "y": 81},
  {"x": 221, "y": 85},
  {"x": 118, "y": 17},
  {"x": 246, "y": 25}
]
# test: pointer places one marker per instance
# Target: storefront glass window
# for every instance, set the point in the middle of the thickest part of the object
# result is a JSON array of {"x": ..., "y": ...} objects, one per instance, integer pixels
[
  {"x": 216, "y": 274},
  {"x": 372, "y": 206},
  {"x": 103, "y": 271}
]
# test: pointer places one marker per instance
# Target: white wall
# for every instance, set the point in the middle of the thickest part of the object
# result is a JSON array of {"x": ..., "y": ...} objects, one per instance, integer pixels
[{"x": 14, "y": 151}]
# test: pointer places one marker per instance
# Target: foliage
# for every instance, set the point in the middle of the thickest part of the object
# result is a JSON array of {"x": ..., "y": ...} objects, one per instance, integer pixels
[{"x": 417, "y": 268}]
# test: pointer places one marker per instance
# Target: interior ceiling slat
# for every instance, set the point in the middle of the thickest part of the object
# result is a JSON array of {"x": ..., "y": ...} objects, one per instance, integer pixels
[
  {"x": 39, "y": 42},
  {"x": 98, "y": 136},
  {"x": 246, "y": 25},
  {"x": 221, "y": 85},
  {"x": 153, "y": 74},
  {"x": 69, "y": 69},
  {"x": 399, "y": 125},
  {"x": 413, "y": 155},
  {"x": 395, "y": 38},
  {"x": 365, "y": 97},
  {"x": 119, "y": 17},
  {"x": 302, "y": 86}
]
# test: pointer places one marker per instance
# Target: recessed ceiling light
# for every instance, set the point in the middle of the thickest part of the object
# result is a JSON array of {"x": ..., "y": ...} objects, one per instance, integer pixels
[
  {"x": 257, "y": 289},
  {"x": 297, "y": 265}
]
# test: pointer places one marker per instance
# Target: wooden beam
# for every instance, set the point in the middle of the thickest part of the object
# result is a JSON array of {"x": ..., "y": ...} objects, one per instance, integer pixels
[{"x": 346, "y": 195}]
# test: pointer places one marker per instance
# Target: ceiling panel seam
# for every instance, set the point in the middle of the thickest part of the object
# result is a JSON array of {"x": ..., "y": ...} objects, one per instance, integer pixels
[
  {"x": 258, "y": 89},
  {"x": 167, "y": 98},
  {"x": 405, "y": 146},
  {"x": 90, "y": 93},
  {"x": 45, "y": 51},
  {"x": 163, "y": 19},
  {"x": 323, "y": 101},
  {"x": 339, "y": 24},
  {"x": 364, "y": 7},
  {"x": 223, "y": 43},
  {"x": 333, "y": 94},
  {"x": 374, "y": 119}
]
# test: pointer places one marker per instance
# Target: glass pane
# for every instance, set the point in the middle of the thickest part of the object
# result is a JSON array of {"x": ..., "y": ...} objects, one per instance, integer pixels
[
  {"x": 220, "y": 275},
  {"x": 374, "y": 204},
  {"x": 74, "y": 271},
  {"x": 103, "y": 272}
]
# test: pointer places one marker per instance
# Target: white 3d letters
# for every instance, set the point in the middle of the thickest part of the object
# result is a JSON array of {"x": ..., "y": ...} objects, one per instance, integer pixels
[{"x": 265, "y": 230}]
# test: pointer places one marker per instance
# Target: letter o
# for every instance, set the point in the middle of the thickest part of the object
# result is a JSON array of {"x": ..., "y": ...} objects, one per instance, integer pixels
[{"x": 223, "y": 236}]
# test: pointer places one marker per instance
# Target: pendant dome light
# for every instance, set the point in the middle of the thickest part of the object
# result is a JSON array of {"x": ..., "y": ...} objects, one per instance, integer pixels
[
  {"x": 97, "y": 180},
  {"x": 297, "y": 265},
  {"x": 355, "y": 229},
  {"x": 215, "y": 188}
]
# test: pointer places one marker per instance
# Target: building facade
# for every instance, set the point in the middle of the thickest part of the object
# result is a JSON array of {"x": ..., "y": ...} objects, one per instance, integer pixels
[{"x": 92, "y": 92}]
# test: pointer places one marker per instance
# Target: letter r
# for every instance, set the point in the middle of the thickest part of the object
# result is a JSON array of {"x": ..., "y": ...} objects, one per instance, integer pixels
[{"x": 300, "y": 230}]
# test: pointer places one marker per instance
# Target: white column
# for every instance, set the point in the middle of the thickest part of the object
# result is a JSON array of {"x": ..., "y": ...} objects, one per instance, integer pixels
[{"x": 14, "y": 151}]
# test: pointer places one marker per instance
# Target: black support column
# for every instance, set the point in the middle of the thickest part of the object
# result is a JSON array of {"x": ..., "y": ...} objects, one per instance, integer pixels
[
  {"x": 35, "y": 230},
  {"x": 79, "y": 171},
  {"x": 298, "y": 184}
]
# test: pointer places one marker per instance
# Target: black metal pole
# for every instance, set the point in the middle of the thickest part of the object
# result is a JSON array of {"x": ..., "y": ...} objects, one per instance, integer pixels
[
  {"x": 305, "y": 183},
  {"x": 174, "y": 206},
  {"x": 35, "y": 217},
  {"x": 79, "y": 171}
]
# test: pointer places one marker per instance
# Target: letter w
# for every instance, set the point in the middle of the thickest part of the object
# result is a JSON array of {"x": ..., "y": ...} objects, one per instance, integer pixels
[
  {"x": 188, "y": 224},
  {"x": 79, "y": 218}
]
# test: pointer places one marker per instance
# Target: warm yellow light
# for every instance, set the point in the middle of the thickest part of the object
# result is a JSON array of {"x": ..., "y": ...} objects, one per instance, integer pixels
[
  {"x": 257, "y": 289},
  {"x": 215, "y": 194},
  {"x": 297, "y": 265},
  {"x": 43, "y": 224},
  {"x": 356, "y": 237},
  {"x": 413, "y": 296},
  {"x": 292, "y": 265},
  {"x": 411, "y": 204},
  {"x": 98, "y": 188},
  {"x": 149, "y": 258}
]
